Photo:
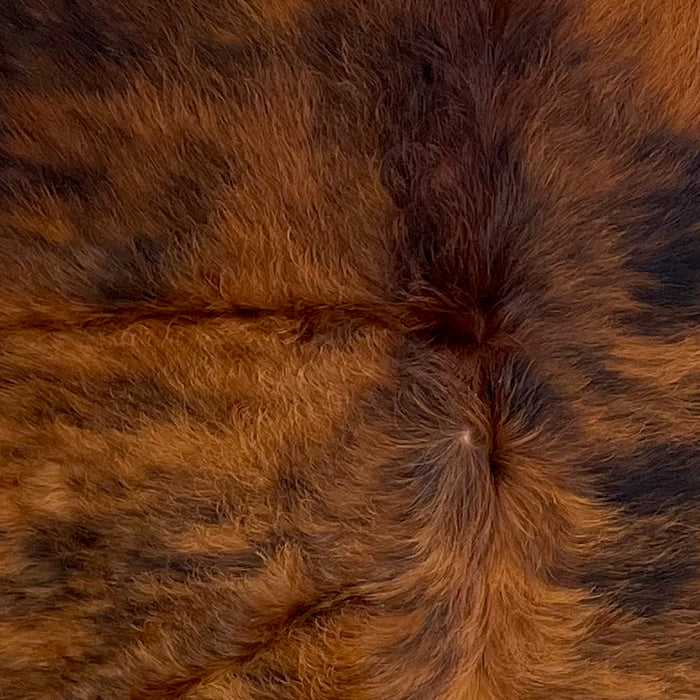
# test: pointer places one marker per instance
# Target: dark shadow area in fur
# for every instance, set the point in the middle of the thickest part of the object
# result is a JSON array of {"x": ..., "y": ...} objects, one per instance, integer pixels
[
  {"x": 114, "y": 402},
  {"x": 60, "y": 553},
  {"x": 232, "y": 60},
  {"x": 435, "y": 636},
  {"x": 49, "y": 50},
  {"x": 527, "y": 396},
  {"x": 139, "y": 270},
  {"x": 19, "y": 176},
  {"x": 609, "y": 382},
  {"x": 57, "y": 550},
  {"x": 651, "y": 480},
  {"x": 664, "y": 239},
  {"x": 166, "y": 566},
  {"x": 648, "y": 574},
  {"x": 129, "y": 273}
]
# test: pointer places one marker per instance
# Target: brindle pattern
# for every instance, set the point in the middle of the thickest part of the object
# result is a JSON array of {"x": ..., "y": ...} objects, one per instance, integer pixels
[{"x": 349, "y": 350}]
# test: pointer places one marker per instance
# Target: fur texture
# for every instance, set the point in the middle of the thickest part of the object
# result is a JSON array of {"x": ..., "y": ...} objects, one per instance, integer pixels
[{"x": 349, "y": 349}]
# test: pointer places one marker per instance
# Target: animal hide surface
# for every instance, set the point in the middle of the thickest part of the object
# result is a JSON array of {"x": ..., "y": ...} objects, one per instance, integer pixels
[{"x": 349, "y": 350}]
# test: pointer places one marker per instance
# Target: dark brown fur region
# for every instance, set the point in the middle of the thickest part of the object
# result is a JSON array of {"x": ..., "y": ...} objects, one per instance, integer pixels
[{"x": 349, "y": 350}]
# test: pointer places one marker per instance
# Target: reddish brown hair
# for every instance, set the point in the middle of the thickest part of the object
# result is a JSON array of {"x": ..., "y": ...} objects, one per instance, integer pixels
[{"x": 349, "y": 350}]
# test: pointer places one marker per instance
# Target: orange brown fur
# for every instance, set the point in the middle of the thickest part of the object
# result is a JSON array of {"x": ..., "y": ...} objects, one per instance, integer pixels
[{"x": 349, "y": 350}]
